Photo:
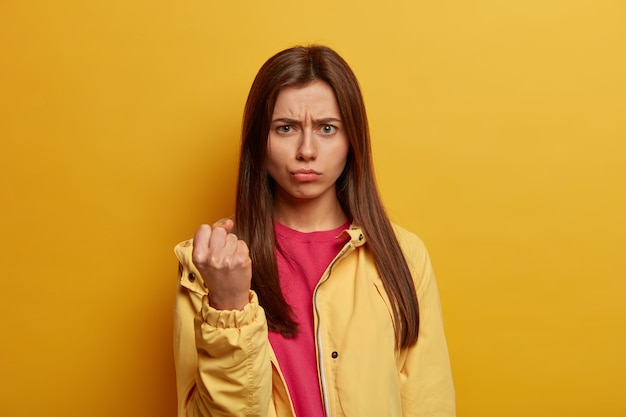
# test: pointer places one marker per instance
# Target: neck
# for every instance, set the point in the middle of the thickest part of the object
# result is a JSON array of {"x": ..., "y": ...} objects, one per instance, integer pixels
[{"x": 309, "y": 215}]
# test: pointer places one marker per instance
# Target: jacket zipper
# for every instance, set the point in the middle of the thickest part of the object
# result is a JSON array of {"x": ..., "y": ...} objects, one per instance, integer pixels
[{"x": 318, "y": 335}]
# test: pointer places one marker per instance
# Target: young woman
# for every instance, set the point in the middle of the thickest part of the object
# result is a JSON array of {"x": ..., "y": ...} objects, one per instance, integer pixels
[{"x": 309, "y": 302}]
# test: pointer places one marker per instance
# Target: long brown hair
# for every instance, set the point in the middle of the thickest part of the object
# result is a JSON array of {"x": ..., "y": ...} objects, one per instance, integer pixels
[{"x": 356, "y": 187}]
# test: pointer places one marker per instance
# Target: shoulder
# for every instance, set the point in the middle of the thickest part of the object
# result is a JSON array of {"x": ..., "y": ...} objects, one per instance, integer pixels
[
  {"x": 416, "y": 256},
  {"x": 409, "y": 241}
]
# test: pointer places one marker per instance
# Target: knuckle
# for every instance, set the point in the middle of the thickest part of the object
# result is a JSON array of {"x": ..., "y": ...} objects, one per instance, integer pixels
[
  {"x": 243, "y": 247},
  {"x": 215, "y": 262},
  {"x": 197, "y": 258},
  {"x": 242, "y": 260}
]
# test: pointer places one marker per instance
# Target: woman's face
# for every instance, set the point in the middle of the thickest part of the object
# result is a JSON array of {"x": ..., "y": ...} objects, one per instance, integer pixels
[{"x": 307, "y": 145}]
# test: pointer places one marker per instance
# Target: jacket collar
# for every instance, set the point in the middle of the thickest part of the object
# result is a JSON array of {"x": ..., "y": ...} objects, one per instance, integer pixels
[
  {"x": 191, "y": 278},
  {"x": 354, "y": 232}
]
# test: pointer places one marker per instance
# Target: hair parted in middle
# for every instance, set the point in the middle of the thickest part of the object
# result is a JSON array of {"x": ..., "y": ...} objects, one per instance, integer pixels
[{"x": 356, "y": 187}]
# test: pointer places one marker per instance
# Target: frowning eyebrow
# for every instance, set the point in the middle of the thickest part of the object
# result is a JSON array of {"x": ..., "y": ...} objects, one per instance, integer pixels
[{"x": 324, "y": 121}]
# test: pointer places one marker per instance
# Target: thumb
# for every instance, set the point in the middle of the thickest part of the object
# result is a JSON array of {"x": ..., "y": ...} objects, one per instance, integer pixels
[{"x": 226, "y": 224}]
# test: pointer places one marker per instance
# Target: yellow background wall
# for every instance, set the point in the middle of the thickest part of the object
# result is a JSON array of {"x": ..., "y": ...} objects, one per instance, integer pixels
[{"x": 499, "y": 138}]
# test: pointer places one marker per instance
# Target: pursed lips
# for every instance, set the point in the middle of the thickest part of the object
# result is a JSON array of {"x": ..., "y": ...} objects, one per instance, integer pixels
[
  {"x": 306, "y": 171},
  {"x": 305, "y": 175}
]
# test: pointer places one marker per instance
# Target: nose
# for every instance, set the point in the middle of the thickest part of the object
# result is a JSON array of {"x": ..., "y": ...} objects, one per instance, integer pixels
[{"x": 307, "y": 151}]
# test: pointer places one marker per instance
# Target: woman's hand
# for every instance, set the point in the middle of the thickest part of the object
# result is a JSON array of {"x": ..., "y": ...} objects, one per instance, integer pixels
[{"x": 225, "y": 265}]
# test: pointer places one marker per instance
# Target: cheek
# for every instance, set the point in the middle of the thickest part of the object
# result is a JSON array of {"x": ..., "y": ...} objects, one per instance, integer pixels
[
  {"x": 274, "y": 158},
  {"x": 271, "y": 153},
  {"x": 344, "y": 151}
]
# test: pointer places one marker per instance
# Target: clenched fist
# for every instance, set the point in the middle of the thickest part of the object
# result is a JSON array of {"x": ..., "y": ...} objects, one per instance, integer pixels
[{"x": 225, "y": 265}]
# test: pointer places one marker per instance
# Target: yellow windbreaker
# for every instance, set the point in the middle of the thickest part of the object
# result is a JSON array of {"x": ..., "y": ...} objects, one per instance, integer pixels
[{"x": 225, "y": 365}]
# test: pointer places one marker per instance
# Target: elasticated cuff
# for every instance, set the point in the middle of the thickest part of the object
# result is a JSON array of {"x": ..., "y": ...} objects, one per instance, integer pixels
[{"x": 228, "y": 319}]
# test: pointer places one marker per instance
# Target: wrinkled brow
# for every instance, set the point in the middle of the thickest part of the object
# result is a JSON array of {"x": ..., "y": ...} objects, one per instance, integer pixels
[{"x": 323, "y": 121}]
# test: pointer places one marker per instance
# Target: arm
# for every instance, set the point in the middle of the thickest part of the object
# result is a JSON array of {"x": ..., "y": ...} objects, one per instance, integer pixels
[
  {"x": 221, "y": 356},
  {"x": 425, "y": 377}
]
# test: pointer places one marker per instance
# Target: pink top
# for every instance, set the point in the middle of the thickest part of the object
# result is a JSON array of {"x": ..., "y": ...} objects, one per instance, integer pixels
[{"x": 302, "y": 258}]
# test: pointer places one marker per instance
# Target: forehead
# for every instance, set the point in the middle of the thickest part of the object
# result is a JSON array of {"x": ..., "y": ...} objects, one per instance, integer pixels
[{"x": 314, "y": 97}]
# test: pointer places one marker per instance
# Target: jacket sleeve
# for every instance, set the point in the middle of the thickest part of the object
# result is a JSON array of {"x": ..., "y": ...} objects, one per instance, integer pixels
[
  {"x": 425, "y": 377},
  {"x": 221, "y": 358}
]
